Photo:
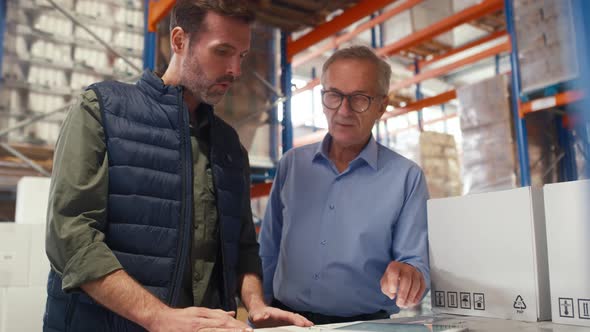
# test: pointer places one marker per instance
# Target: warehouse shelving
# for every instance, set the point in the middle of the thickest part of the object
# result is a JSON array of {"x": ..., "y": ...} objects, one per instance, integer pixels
[
  {"x": 289, "y": 48},
  {"x": 42, "y": 102},
  {"x": 472, "y": 13}
]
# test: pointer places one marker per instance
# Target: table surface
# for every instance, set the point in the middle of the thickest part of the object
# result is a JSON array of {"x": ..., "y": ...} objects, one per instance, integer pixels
[{"x": 478, "y": 324}]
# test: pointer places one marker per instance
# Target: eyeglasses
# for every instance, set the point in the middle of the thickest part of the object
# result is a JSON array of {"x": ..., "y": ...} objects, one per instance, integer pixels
[{"x": 358, "y": 102}]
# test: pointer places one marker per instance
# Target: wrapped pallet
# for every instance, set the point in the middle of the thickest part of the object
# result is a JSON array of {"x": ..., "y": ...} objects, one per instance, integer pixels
[
  {"x": 545, "y": 36},
  {"x": 488, "y": 156},
  {"x": 489, "y": 147},
  {"x": 440, "y": 161}
]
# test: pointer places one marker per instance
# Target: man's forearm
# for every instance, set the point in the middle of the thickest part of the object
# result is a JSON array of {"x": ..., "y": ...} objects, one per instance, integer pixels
[
  {"x": 251, "y": 291},
  {"x": 123, "y": 295}
]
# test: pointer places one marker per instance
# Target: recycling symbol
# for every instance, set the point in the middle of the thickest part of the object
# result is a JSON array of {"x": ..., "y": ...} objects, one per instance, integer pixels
[{"x": 519, "y": 303}]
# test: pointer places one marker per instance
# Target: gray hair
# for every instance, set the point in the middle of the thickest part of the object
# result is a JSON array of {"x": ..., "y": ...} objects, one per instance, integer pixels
[{"x": 362, "y": 53}]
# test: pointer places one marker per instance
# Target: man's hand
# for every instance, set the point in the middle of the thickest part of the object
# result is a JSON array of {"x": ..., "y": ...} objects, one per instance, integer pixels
[
  {"x": 195, "y": 319},
  {"x": 405, "y": 282},
  {"x": 265, "y": 316}
]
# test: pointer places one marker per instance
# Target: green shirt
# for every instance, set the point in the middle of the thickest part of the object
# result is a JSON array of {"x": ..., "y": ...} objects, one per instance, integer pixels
[{"x": 77, "y": 210}]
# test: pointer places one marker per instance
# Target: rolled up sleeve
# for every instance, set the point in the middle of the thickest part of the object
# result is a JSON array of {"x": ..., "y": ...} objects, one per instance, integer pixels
[{"x": 77, "y": 210}]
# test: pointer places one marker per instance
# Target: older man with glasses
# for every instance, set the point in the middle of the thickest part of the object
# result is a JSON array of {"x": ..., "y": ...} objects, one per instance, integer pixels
[{"x": 344, "y": 237}]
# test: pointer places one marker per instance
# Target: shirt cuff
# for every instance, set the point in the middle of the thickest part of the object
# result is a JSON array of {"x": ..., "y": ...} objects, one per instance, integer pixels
[{"x": 89, "y": 264}]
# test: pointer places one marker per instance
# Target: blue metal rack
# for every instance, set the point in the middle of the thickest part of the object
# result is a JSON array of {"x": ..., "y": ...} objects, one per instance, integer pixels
[
  {"x": 519, "y": 124},
  {"x": 274, "y": 113},
  {"x": 286, "y": 87},
  {"x": 2, "y": 31},
  {"x": 581, "y": 11},
  {"x": 149, "y": 44}
]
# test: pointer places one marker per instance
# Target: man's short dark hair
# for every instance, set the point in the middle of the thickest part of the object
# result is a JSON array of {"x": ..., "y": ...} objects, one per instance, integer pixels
[{"x": 190, "y": 14}]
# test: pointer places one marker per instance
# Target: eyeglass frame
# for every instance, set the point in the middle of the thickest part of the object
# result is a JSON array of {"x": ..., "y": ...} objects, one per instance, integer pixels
[{"x": 348, "y": 97}]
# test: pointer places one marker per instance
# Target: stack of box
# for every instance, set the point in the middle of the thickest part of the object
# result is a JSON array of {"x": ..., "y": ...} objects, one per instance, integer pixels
[
  {"x": 545, "y": 35},
  {"x": 568, "y": 242},
  {"x": 23, "y": 263},
  {"x": 440, "y": 162},
  {"x": 488, "y": 155},
  {"x": 488, "y": 255},
  {"x": 418, "y": 18},
  {"x": 46, "y": 54},
  {"x": 437, "y": 155}
]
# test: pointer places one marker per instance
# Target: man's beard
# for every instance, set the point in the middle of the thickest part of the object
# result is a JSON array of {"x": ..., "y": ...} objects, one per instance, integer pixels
[{"x": 194, "y": 79}]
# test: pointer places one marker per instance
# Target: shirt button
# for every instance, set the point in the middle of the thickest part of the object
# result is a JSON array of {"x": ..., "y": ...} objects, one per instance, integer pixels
[
  {"x": 316, "y": 276},
  {"x": 324, "y": 242},
  {"x": 331, "y": 206}
]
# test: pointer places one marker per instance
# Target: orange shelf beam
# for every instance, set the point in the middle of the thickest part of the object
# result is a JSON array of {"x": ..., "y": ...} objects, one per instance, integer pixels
[
  {"x": 504, "y": 47},
  {"x": 420, "y": 104},
  {"x": 559, "y": 99},
  {"x": 337, "y": 41},
  {"x": 464, "y": 16},
  {"x": 481, "y": 41},
  {"x": 310, "y": 85},
  {"x": 309, "y": 139},
  {"x": 318, "y": 136},
  {"x": 157, "y": 11},
  {"x": 433, "y": 121},
  {"x": 469, "y": 14},
  {"x": 260, "y": 190},
  {"x": 362, "y": 9}
]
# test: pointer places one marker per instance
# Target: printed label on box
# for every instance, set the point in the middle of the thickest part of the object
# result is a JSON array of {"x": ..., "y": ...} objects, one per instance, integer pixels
[
  {"x": 566, "y": 307},
  {"x": 7, "y": 257},
  {"x": 584, "y": 308},
  {"x": 465, "y": 300}
]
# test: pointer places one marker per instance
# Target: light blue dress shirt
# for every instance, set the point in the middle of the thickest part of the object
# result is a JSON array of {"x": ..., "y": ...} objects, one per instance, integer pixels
[{"x": 327, "y": 237}]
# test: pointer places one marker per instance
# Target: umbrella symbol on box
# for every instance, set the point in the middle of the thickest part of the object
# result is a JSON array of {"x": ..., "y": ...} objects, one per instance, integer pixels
[{"x": 465, "y": 300}]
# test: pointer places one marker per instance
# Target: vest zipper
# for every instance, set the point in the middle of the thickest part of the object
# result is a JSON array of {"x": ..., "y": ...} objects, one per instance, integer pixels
[
  {"x": 226, "y": 296},
  {"x": 185, "y": 222}
]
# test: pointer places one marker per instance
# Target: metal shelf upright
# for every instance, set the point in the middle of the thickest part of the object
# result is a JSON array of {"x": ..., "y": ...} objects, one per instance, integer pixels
[
  {"x": 522, "y": 106},
  {"x": 149, "y": 45},
  {"x": 582, "y": 34},
  {"x": 519, "y": 124},
  {"x": 2, "y": 31}
]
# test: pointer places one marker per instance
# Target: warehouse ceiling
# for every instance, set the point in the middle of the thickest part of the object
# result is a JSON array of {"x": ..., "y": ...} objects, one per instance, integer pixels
[{"x": 293, "y": 15}]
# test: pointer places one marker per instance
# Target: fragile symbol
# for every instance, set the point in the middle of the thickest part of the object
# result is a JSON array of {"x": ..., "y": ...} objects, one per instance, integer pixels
[
  {"x": 479, "y": 302},
  {"x": 439, "y": 299},
  {"x": 584, "y": 308},
  {"x": 465, "y": 300},
  {"x": 519, "y": 303},
  {"x": 566, "y": 307}
]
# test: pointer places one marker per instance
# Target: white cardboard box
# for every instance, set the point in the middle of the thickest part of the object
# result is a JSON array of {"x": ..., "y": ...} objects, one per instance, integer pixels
[
  {"x": 568, "y": 241},
  {"x": 32, "y": 196},
  {"x": 15, "y": 253},
  {"x": 488, "y": 255},
  {"x": 23, "y": 309},
  {"x": 38, "y": 263},
  {"x": 2, "y": 308}
]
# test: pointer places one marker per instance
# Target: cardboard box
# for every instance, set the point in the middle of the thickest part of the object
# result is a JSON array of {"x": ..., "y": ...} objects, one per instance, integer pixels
[
  {"x": 38, "y": 263},
  {"x": 23, "y": 309},
  {"x": 488, "y": 255},
  {"x": 15, "y": 252},
  {"x": 32, "y": 195},
  {"x": 418, "y": 18},
  {"x": 568, "y": 241},
  {"x": 2, "y": 308}
]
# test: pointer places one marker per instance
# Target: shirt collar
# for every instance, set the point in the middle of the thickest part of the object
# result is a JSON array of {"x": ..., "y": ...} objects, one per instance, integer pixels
[{"x": 369, "y": 153}]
